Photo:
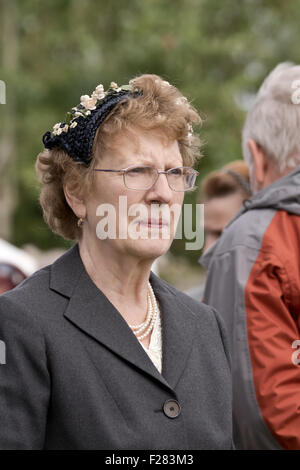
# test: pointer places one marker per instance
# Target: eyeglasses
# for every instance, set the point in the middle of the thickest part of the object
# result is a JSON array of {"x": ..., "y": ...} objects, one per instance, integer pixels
[{"x": 144, "y": 177}]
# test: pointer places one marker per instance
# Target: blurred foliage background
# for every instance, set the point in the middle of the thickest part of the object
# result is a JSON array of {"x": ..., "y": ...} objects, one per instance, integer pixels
[{"x": 53, "y": 51}]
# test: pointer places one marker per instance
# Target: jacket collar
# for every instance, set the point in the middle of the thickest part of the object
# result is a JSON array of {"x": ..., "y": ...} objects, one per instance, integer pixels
[{"x": 90, "y": 310}]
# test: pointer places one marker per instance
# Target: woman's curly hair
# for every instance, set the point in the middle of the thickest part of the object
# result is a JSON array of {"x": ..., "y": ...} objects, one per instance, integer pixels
[{"x": 160, "y": 106}]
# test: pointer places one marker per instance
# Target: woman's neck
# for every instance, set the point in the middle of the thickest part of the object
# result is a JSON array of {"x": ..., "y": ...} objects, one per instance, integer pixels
[{"x": 123, "y": 279}]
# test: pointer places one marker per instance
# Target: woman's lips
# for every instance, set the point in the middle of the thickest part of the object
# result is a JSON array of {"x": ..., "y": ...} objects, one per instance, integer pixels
[{"x": 154, "y": 223}]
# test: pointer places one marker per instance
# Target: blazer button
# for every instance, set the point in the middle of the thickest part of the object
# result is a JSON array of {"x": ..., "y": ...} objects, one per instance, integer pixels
[{"x": 172, "y": 408}]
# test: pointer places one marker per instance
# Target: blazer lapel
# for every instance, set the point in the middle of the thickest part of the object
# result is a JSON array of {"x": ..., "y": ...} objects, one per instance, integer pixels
[{"x": 90, "y": 310}]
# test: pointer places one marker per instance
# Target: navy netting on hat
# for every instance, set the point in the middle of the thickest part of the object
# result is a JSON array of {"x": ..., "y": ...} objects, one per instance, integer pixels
[{"x": 78, "y": 141}]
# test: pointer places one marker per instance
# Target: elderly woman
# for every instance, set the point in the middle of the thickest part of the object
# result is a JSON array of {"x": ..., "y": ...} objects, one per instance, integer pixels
[{"x": 101, "y": 353}]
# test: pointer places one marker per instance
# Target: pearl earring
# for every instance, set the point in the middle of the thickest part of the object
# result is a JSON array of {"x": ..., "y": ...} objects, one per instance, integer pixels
[{"x": 80, "y": 222}]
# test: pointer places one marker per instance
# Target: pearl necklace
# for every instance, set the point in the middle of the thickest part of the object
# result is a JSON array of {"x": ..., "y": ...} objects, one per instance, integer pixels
[{"x": 142, "y": 330}]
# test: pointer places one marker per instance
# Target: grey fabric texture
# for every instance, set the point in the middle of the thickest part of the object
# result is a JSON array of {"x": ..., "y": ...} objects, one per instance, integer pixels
[
  {"x": 77, "y": 378},
  {"x": 228, "y": 263}
]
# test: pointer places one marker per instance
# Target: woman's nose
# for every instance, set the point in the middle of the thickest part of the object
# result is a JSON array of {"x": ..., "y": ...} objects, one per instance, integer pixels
[{"x": 161, "y": 190}]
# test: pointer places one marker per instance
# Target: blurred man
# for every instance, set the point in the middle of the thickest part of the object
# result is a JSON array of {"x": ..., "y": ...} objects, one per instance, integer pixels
[
  {"x": 223, "y": 193},
  {"x": 254, "y": 273}
]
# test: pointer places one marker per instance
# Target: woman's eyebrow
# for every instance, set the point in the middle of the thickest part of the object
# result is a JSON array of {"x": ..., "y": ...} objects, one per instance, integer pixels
[
  {"x": 149, "y": 161},
  {"x": 147, "y": 158},
  {"x": 141, "y": 159}
]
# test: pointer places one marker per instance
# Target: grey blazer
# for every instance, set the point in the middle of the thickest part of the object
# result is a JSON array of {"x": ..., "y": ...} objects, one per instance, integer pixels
[{"x": 76, "y": 377}]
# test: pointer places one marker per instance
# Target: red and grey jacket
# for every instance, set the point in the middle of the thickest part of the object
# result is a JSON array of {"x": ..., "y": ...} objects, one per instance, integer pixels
[{"x": 253, "y": 280}]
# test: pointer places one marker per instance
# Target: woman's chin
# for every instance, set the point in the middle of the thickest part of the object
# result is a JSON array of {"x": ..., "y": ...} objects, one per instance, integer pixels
[{"x": 149, "y": 249}]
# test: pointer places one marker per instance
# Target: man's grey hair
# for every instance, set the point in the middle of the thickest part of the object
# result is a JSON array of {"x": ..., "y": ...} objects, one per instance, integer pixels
[{"x": 274, "y": 120}]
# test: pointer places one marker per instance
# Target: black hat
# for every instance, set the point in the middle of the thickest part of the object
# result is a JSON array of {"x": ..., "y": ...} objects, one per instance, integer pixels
[{"x": 76, "y": 134}]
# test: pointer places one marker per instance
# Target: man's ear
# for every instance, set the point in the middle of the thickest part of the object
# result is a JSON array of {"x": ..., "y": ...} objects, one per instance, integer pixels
[
  {"x": 77, "y": 205},
  {"x": 259, "y": 162}
]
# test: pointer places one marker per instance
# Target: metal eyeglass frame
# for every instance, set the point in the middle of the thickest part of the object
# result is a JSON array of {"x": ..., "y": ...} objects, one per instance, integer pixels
[{"x": 167, "y": 172}]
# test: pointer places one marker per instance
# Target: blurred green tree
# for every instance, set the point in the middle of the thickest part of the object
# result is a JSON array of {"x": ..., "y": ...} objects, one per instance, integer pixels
[{"x": 217, "y": 53}]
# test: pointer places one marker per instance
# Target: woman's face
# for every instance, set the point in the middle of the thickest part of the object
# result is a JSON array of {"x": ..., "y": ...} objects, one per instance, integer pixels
[
  {"x": 146, "y": 232},
  {"x": 218, "y": 211}
]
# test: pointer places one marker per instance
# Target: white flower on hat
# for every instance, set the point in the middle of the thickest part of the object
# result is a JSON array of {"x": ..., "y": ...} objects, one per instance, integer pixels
[
  {"x": 115, "y": 86},
  {"x": 57, "y": 129},
  {"x": 56, "y": 126},
  {"x": 87, "y": 102},
  {"x": 99, "y": 88},
  {"x": 98, "y": 93}
]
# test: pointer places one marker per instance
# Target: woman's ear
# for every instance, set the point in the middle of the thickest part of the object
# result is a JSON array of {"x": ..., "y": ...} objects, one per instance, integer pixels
[{"x": 77, "y": 205}]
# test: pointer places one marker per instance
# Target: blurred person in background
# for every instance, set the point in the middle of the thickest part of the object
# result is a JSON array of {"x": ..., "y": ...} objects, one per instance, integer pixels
[
  {"x": 222, "y": 192},
  {"x": 254, "y": 272},
  {"x": 15, "y": 266},
  {"x": 10, "y": 277},
  {"x": 101, "y": 353}
]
